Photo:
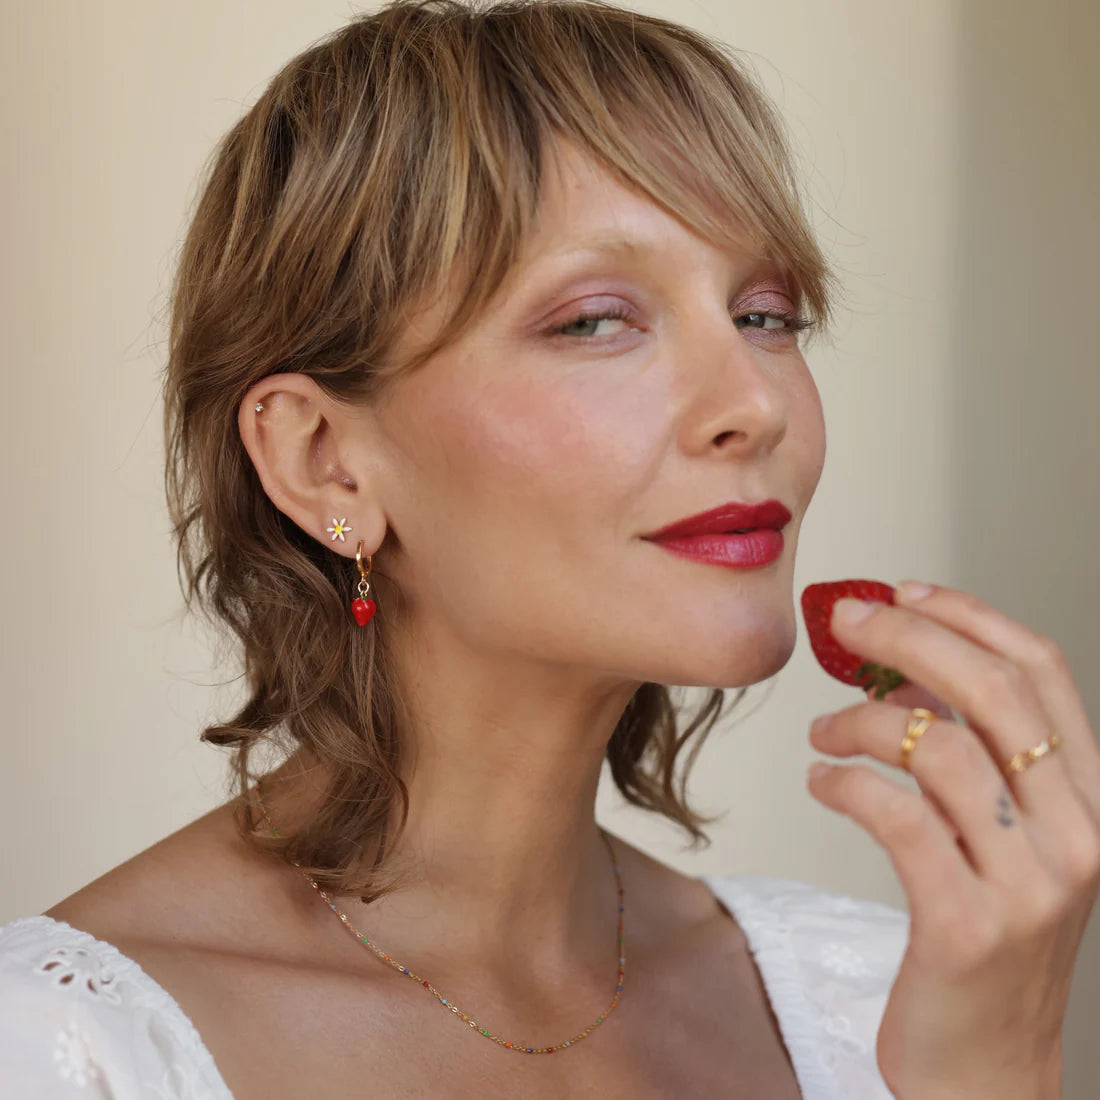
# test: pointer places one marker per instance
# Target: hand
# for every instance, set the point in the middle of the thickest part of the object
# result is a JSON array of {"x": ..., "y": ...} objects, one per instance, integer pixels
[{"x": 1001, "y": 872}]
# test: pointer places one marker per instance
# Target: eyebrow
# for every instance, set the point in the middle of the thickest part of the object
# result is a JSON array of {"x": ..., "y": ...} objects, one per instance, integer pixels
[
  {"x": 617, "y": 245},
  {"x": 599, "y": 245}
]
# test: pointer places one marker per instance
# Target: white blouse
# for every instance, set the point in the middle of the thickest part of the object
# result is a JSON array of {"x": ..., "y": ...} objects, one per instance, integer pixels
[{"x": 80, "y": 1020}]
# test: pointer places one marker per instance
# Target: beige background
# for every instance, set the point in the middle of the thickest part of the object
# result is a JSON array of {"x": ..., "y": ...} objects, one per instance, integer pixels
[{"x": 951, "y": 156}]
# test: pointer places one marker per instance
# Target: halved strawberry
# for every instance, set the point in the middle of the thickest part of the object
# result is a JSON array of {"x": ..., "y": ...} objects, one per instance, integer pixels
[{"x": 849, "y": 668}]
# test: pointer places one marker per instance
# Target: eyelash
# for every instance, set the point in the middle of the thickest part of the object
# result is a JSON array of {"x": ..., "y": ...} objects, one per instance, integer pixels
[{"x": 794, "y": 322}]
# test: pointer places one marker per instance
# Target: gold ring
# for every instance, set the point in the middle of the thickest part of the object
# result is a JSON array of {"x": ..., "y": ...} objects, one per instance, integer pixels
[
  {"x": 919, "y": 720},
  {"x": 1023, "y": 760}
]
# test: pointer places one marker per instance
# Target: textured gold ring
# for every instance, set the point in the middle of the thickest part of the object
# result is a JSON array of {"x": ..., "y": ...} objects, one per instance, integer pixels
[
  {"x": 1023, "y": 760},
  {"x": 919, "y": 720}
]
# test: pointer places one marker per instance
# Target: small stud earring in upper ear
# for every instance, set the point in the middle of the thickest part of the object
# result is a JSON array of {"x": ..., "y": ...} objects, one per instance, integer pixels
[{"x": 259, "y": 406}]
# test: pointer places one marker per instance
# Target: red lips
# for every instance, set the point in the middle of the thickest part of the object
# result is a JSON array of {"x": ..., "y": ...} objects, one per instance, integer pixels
[{"x": 732, "y": 516}]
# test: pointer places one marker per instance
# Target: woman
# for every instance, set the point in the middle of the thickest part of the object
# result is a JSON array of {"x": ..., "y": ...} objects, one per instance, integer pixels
[{"x": 475, "y": 305}]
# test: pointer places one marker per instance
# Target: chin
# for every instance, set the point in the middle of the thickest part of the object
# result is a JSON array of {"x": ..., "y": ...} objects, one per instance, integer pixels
[{"x": 722, "y": 661}]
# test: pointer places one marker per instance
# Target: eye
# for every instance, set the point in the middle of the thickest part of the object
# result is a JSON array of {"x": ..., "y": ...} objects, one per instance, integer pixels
[
  {"x": 587, "y": 319},
  {"x": 785, "y": 322}
]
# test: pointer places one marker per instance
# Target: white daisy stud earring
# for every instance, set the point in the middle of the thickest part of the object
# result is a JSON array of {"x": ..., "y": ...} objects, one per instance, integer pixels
[{"x": 339, "y": 526}]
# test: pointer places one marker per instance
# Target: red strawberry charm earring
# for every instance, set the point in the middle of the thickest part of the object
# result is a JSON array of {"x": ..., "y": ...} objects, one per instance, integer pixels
[{"x": 362, "y": 608}]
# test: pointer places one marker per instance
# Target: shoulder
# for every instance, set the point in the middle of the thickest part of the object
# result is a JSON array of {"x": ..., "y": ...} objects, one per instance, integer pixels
[
  {"x": 75, "y": 1013},
  {"x": 829, "y": 961},
  {"x": 137, "y": 904}
]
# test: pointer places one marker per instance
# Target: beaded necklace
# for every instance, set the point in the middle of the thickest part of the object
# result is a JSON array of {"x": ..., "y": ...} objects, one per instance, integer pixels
[{"x": 521, "y": 1048}]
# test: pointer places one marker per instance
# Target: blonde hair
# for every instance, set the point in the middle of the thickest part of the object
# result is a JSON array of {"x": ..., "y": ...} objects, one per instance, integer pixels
[{"x": 399, "y": 150}]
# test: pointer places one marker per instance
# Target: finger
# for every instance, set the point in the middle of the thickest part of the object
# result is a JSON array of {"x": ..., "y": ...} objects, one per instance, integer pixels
[
  {"x": 990, "y": 690},
  {"x": 908, "y": 696},
  {"x": 928, "y": 862},
  {"x": 954, "y": 768},
  {"x": 1045, "y": 665},
  {"x": 913, "y": 695}
]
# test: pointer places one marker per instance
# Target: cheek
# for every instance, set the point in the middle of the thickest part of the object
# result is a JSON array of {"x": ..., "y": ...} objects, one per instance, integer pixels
[
  {"x": 518, "y": 497},
  {"x": 810, "y": 437},
  {"x": 553, "y": 444}
]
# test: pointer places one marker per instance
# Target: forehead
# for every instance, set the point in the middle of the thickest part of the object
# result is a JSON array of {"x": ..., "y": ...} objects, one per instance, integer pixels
[
  {"x": 584, "y": 209},
  {"x": 582, "y": 203}
]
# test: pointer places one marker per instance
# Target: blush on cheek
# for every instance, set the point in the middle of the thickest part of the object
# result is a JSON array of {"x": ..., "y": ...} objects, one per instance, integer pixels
[
  {"x": 533, "y": 431},
  {"x": 580, "y": 443}
]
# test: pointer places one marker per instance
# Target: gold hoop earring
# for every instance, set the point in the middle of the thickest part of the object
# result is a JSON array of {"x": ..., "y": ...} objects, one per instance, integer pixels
[{"x": 362, "y": 608}]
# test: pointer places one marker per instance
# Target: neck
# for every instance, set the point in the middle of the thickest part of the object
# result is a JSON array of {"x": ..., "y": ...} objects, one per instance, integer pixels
[{"x": 511, "y": 886}]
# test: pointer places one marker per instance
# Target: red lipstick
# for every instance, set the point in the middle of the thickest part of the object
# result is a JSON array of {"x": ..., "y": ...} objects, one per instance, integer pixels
[{"x": 733, "y": 534}]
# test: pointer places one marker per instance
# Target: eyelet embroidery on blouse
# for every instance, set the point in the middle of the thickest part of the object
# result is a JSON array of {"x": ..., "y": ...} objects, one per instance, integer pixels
[
  {"x": 843, "y": 950},
  {"x": 162, "y": 1054},
  {"x": 80, "y": 969},
  {"x": 844, "y": 960},
  {"x": 73, "y": 1055},
  {"x": 178, "y": 1083},
  {"x": 845, "y": 1040}
]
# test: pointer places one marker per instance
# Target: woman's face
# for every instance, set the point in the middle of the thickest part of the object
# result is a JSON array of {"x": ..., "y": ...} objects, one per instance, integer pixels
[{"x": 525, "y": 462}]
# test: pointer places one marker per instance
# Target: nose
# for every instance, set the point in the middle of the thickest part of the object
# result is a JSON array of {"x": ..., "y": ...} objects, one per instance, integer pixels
[{"x": 736, "y": 400}]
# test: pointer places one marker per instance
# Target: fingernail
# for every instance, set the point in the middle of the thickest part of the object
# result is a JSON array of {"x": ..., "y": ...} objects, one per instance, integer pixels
[
  {"x": 818, "y": 770},
  {"x": 912, "y": 590},
  {"x": 850, "y": 611}
]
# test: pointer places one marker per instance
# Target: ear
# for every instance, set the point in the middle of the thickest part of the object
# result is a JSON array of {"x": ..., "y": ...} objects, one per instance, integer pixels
[{"x": 311, "y": 455}]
